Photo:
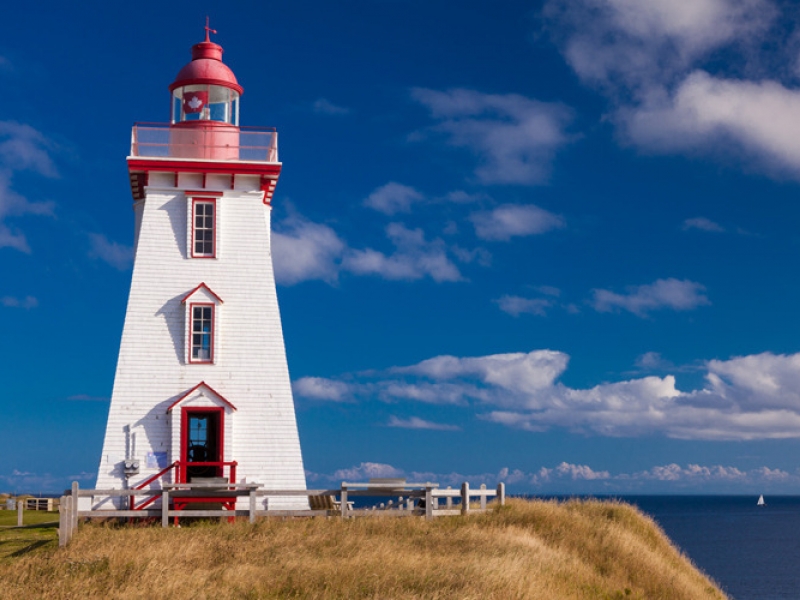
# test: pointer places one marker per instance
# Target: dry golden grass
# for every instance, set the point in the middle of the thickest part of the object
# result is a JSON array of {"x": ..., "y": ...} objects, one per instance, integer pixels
[{"x": 547, "y": 550}]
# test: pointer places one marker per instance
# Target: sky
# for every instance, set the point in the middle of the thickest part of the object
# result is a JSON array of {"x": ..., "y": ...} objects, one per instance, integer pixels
[{"x": 547, "y": 243}]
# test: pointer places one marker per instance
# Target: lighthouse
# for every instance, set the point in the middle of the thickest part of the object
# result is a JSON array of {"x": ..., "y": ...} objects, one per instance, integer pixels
[{"x": 202, "y": 386}]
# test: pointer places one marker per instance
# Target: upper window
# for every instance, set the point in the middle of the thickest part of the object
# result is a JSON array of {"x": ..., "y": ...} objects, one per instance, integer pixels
[{"x": 204, "y": 229}]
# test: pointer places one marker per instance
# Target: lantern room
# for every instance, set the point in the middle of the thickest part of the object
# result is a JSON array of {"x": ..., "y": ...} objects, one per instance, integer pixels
[{"x": 205, "y": 106}]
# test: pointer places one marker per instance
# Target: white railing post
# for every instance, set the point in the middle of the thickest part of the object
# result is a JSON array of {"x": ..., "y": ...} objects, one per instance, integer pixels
[
  {"x": 449, "y": 501},
  {"x": 483, "y": 496},
  {"x": 20, "y": 508},
  {"x": 343, "y": 498},
  {"x": 465, "y": 498},
  {"x": 164, "y": 508},
  {"x": 252, "y": 505},
  {"x": 501, "y": 493}
]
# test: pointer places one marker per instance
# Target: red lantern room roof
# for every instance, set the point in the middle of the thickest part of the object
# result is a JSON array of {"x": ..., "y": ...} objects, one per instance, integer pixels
[{"x": 206, "y": 67}]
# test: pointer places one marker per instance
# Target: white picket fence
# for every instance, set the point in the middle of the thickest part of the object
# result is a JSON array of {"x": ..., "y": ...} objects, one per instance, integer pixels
[{"x": 414, "y": 499}]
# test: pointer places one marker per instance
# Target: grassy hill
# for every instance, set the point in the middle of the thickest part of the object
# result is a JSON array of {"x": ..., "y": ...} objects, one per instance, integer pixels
[{"x": 527, "y": 549}]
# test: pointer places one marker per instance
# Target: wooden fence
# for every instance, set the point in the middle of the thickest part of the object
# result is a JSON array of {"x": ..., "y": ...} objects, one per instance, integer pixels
[{"x": 414, "y": 499}]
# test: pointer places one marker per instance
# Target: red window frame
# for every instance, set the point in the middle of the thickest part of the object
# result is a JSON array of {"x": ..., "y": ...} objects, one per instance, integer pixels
[
  {"x": 205, "y": 201},
  {"x": 190, "y": 344},
  {"x": 185, "y": 410}
]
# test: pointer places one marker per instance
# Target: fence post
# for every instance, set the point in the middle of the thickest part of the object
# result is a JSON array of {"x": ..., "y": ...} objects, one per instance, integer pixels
[
  {"x": 164, "y": 508},
  {"x": 252, "y": 505},
  {"x": 62, "y": 521},
  {"x": 483, "y": 496},
  {"x": 501, "y": 493},
  {"x": 449, "y": 501},
  {"x": 343, "y": 498},
  {"x": 67, "y": 519},
  {"x": 75, "y": 490},
  {"x": 465, "y": 498},
  {"x": 428, "y": 503},
  {"x": 20, "y": 508}
]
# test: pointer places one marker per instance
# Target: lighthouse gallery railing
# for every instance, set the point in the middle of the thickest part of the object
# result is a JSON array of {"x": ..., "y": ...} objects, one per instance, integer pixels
[{"x": 156, "y": 140}]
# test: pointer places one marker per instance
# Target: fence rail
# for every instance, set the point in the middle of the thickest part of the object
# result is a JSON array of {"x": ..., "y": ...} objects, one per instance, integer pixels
[{"x": 415, "y": 499}]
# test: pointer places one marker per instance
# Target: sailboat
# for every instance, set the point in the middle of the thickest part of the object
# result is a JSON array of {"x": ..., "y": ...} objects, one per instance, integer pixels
[{"x": 761, "y": 501}]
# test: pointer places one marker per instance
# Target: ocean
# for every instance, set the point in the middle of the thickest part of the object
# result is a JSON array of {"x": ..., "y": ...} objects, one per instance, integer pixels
[{"x": 752, "y": 552}]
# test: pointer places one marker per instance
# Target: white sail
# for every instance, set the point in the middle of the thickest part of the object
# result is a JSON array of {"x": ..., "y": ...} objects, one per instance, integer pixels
[{"x": 761, "y": 501}]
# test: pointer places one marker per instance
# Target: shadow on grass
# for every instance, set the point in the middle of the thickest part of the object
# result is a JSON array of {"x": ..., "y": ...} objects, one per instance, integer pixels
[
  {"x": 48, "y": 525},
  {"x": 30, "y": 548}
]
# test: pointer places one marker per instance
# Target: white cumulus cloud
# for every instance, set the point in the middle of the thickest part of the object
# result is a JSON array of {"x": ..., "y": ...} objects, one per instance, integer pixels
[
  {"x": 115, "y": 254},
  {"x": 393, "y": 198},
  {"x": 702, "y": 224},
  {"x": 319, "y": 388},
  {"x": 743, "y": 398},
  {"x": 670, "y": 293},
  {"x": 414, "y": 258},
  {"x": 27, "y": 302},
  {"x": 303, "y": 250},
  {"x": 517, "y": 305},
  {"x": 22, "y": 148},
  {"x": 658, "y": 63},
  {"x": 515, "y": 138},
  {"x": 417, "y": 423},
  {"x": 510, "y": 220}
]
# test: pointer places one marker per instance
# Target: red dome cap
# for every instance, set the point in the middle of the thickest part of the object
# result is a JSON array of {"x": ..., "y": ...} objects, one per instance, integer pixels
[{"x": 206, "y": 67}]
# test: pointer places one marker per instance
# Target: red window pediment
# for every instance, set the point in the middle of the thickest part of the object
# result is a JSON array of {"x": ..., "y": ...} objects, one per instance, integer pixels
[
  {"x": 205, "y": 390},
  {"x": 202, "y": 292}
]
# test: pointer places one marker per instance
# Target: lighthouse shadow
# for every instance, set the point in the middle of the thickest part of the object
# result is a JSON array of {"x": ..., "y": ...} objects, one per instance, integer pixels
[
  {"x": 176, "y": 211},
  {"x": 171, "y": 314}
]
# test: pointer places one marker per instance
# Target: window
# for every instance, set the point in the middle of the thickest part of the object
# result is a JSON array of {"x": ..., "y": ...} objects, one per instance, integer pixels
[
  {"x": 200, "y": 307},
  {"x": 204, "y": 229},
  {"x": 202, "y": 333}
]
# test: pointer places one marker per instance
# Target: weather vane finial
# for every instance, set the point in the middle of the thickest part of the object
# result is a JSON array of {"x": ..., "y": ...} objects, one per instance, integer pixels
[{"x": 209, "y": 30}]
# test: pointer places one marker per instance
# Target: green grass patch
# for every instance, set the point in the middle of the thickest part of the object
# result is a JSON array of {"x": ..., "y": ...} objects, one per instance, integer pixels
[{"x": 39, "y": 533}]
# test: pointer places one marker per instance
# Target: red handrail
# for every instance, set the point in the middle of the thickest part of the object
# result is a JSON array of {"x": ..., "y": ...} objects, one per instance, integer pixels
[
  {"x": 180, "y": 476},
  {"x": 148, "y": 481}
]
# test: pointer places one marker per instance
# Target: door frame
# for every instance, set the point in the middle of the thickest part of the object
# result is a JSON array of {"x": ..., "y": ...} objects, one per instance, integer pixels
[{"x": 185, "y": 412}]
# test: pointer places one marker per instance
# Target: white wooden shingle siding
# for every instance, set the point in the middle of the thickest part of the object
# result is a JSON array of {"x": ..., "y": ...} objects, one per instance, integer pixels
[{"x": 249, "y": 368}]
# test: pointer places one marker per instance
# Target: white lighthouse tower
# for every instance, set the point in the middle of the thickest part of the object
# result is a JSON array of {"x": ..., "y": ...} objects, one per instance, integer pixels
[{"x": 202, "y": 385}]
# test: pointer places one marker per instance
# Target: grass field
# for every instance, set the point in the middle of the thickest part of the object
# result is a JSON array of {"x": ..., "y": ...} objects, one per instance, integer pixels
[
  {"x": 38, "y": 534},
  {"x": 527, "y": 549}
]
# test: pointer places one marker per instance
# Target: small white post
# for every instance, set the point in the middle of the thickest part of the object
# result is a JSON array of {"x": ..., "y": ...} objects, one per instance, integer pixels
[
  {"x": 501, "y": 493},
  {"x": 252, "y": 505},
  {"x": 343, "y": 498},
  {"x": 164, "y": 508},
  {"x": 20, "y": 508},
  {"x": 428, "y": 502},
  {"x": 483, "y": 496},
  {"x": 75, "y": 490},
  {"x": 465, "y": 498},
  {"x": 449, "y": 502}
]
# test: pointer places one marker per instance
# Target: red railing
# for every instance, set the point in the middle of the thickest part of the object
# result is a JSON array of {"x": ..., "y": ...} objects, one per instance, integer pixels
[
  {"x": 147, "y": 482},
  {"x": 160, "y": 140},
  {"x": 180, "y": 477}
]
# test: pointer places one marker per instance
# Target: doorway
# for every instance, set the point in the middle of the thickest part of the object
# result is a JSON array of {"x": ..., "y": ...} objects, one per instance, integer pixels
[{"x": 202, "y": 442}]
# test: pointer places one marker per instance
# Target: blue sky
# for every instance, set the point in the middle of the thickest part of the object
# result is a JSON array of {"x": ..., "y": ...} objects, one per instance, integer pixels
[{"x": 550, "y": 243}]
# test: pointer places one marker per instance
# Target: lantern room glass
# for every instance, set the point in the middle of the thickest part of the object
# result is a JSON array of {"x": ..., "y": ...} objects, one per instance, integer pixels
[{"x": 203, "y": 102}]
